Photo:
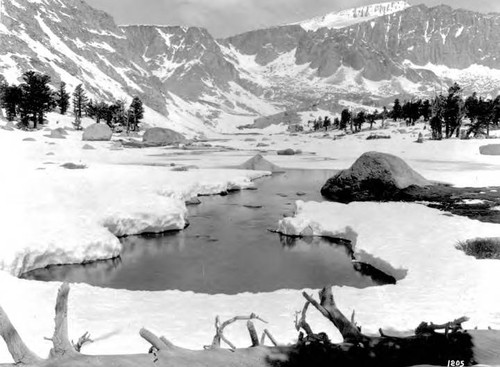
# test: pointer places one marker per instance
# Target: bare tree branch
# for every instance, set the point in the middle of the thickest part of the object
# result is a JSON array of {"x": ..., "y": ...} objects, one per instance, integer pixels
[
  {"x": 219, "y": 329},
  {"x": 84, "y": 339},
  {"x": 328, "y": 309},
  {"x": 152, "y": 339},
  {"x": 302, "y": 323},
  {"x": 60, "y": 339},
  {"x": 453, "y": 325},
  {"x": 18, "y": 350},
  {"x": 253, "y": 334},
  {"x": 271, "y": 338}
]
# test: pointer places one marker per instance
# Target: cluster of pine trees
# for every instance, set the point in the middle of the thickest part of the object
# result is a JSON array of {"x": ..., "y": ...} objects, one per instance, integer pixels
[
  {"x": 446, "y": 114},
  {"x": 356, "y": 120},
  {"x": 29, "y": 102}
]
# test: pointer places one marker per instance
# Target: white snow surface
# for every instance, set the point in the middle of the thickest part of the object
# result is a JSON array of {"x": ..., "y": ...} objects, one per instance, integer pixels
[
  {"x": 348, "y": 17},
  {"x": 52, "y": 215},
  {"x": 441, "y": 280}
]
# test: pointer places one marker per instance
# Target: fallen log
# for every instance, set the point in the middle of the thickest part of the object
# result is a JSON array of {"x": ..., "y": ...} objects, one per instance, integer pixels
[{"x": 427, "y": 346}]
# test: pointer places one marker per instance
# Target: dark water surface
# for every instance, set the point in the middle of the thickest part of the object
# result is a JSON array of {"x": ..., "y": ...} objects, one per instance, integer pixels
[{"x": 227, "y": 248}]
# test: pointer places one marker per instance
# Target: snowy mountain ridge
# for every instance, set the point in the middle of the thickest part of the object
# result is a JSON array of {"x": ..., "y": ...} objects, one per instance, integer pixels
[
  {"x": 194, "y": 83},
  {"x": 348, "y": 17}
]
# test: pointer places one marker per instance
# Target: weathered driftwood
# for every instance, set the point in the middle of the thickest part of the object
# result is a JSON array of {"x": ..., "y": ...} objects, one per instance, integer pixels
[{"x": 425, "y": 347}]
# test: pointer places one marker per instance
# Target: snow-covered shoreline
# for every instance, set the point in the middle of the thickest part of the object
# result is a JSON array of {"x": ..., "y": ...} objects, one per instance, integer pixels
[{"x": 50, "y": 215}]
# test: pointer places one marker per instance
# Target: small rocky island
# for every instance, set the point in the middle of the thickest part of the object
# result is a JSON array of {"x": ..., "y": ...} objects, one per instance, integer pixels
[{"x": 384, "y": 177}]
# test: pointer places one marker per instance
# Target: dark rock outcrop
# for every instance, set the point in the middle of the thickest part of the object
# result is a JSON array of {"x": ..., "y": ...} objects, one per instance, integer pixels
[
  {"x": 384, "y": 177},
  {"x": 288, "y": 151},
  {"x": 374, "y": 176}
]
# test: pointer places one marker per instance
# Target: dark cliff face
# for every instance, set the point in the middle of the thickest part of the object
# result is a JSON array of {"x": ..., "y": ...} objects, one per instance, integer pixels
[
  {"x": 438, "y": 35},
  {"x": 380, "y": 48}
]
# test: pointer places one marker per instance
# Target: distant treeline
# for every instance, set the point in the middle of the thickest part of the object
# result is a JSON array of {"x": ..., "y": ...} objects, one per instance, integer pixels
[
  {"x": 30, "y": 101},
  {"x": 446, "y": 114}
]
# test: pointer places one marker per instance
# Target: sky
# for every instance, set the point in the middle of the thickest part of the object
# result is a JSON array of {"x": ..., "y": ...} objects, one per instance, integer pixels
[{"x": 229, "y": 17}]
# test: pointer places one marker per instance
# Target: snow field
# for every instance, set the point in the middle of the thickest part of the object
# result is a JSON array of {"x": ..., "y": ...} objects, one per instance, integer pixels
[
  {"x": 441, "y": 281},
  {"x": 53, "y": 215},
  {"x": 50, "y": 215}
]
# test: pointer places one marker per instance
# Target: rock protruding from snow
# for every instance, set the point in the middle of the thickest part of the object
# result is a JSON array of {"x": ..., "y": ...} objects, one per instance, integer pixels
[
  {"x": 259, "y": 163},
  {"x": 348, "y": 17},
  {"x": 88, "y": 147},
  {"x": 490, "y": 149},
  {"x": 374, "y": 176},
  {"x": 420, "y": 138},
  {"x": 97, "y": 132},
  {"x": 288, "y": 151},
  {"x": 58, "y": 133},
  {"x": 158, "y": 136}
]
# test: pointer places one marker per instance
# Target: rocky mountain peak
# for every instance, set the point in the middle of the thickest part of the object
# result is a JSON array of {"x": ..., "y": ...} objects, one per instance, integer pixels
[
  {"x": 362, "y": 55},
  {"x": 348, "y": 17}
]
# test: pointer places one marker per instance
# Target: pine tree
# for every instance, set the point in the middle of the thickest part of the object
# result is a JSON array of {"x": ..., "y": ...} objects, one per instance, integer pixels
[
  {"x": 359, "y": 120},
  {"x": 118, "y": 114},
  {"x": 496, "y": 111},
  {"x": 471, "y": 107},
  {"x": 453, "y": 111},
  {"x": 371, "y": 118},
  {"x": 425, "y": 110},
  {"x": 91, "y": 109},
  {"x": 136, "y": 114},
  {"x": 406, "y": 111},
  {"x": 485, "y": 115},
  {"x": 336, "y": 123},
  {"x": 11, "y": 100},
  {"x": 102, "y": 111},
  {"x": 37, "y": 98},
  {"x": 62, "y": 98},
  {"x": 384, "y": 115},
  {"x": 436, "y": 122},
  {"x": 3, "y": 87},
  {"x": 345, "y": 118},
  {"x": 80, "y": 100},
  {"x": 397, "y": 110}
]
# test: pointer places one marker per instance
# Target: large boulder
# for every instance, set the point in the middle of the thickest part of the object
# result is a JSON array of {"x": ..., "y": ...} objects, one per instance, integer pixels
[
  {"x": 491, "y": 149},
  {"x": 97, "y": 132},
  {"x": 159, "y": 136},
  {"x": 374, "y": 176},
  {"x": 259, "y": 163}
]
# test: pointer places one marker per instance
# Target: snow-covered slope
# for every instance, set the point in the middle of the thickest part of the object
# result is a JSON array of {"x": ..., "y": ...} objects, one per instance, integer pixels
[
  {"x": 194, "y": 83},
  {"x": 180, "y": 74},
  {"x": 348, "y": 17}
]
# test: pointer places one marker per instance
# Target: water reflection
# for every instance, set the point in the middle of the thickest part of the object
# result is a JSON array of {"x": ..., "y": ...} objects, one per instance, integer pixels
[{"x": 228, "y": 249}]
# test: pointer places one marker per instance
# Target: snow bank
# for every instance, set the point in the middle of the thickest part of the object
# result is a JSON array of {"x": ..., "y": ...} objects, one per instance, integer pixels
[
  {"x": 60, "y": 216},
  {"x": 53, "y": 215},
  {"x": 441, "y": 282}
]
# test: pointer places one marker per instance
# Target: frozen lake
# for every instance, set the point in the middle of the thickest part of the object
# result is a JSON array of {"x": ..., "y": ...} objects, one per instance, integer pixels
[{"x": 228, "y": 248}]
